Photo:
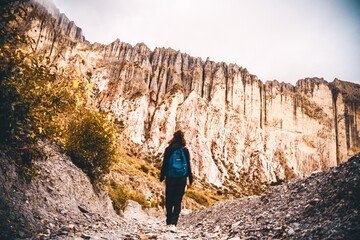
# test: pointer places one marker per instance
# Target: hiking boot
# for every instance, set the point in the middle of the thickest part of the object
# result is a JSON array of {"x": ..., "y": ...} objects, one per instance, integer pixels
[
  {"x": 165, "y": 228},
  {"x": 172, "y": 228}
]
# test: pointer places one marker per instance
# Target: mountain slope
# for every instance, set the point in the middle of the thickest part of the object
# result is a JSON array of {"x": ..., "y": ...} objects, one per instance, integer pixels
[
  {"x": 59, "y": 199},
  {"x": 322, "y": 206}
]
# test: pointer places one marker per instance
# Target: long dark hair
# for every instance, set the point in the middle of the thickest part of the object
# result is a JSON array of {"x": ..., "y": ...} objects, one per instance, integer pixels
[{"x": 178, "y": 137}]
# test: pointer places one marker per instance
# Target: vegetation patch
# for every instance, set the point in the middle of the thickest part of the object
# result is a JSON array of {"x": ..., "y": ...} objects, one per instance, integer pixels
[
  {"x": 33, "y": 92},
  {"x": 120, "y": 194},
  {"x": 199, "y": 197},
  {"x": 91, "y": 143}
]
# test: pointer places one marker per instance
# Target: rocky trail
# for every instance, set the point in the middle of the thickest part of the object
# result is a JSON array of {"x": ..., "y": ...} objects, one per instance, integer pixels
[{"x": 65, "y": 206}]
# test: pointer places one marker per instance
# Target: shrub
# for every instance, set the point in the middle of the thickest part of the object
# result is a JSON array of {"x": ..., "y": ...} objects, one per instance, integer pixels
[
  {"x": 32, "y": 93},
  {"x": 119, "y": 196},
  {"x": 91, "y": 143},
  {"x": 33, "y": 97}
]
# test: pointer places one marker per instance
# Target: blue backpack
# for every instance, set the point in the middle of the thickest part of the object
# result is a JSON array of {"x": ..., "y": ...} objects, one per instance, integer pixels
[{"x": 177, "y": 164}]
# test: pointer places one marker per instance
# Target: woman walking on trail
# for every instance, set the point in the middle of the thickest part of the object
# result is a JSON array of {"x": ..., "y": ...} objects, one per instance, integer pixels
[{"x": 175, "y": 170}]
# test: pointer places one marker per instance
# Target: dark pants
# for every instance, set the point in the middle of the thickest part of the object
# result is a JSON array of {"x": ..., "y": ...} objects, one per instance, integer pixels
[{"x": 175, "y": 188}]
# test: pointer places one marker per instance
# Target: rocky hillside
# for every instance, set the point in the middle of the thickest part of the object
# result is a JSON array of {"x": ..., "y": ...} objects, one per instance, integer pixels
[
  {"x": 238, "y": 127},
  {"x": 322, "y": 206},
  {"x": 61, "y": 198},
  {"x": 62, "y": 204}
]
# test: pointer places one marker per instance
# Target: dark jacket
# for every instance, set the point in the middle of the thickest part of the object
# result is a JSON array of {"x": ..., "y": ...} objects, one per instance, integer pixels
[{"x": 165, "y": 166}]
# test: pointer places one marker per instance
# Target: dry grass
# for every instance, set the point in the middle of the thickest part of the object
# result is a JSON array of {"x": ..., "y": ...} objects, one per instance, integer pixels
[{"x": 130, "y": 179}]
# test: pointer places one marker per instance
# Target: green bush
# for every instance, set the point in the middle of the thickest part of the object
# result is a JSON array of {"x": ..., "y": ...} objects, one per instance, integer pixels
[{"x": 91, "y": 143}]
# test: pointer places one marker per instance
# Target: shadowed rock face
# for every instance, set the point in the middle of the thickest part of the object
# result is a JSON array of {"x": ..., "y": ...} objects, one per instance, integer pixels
[{"x": 236, "y": 126}]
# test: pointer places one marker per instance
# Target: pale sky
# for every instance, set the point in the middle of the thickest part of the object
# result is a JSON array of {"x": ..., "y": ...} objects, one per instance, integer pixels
[{"x": 286, "y": 40}]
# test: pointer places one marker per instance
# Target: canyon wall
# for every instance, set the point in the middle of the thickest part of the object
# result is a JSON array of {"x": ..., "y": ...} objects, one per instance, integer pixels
[{"x": 237, "y": 127}]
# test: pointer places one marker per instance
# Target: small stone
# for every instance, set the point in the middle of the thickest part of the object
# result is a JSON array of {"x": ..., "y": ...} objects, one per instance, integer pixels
[
  {"x": 199, "y": 224},
  {"x": 296, "y": 226},
  {"x": 83, "y": 210},
  {"x": 65, "y": 228},
  {"x": 50, "y": 189},
  {"x": 291, "y": 231},
  {"x": 148, "y": 236},
  {"x": 234, "y": 225},
  {"x": 85, "y": 236}
]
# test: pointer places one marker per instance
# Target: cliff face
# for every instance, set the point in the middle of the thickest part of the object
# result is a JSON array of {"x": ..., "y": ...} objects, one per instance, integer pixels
[{"x": 236, "y": 126}]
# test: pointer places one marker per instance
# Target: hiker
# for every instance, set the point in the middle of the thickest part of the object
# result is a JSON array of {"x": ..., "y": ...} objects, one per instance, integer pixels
[{"x": 175, "y": 177}]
